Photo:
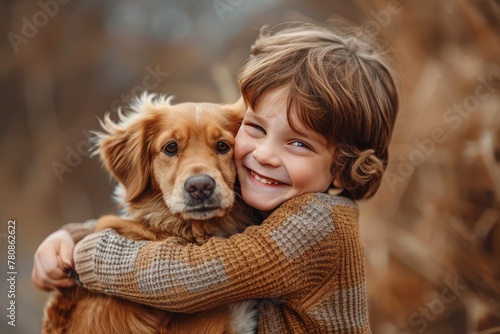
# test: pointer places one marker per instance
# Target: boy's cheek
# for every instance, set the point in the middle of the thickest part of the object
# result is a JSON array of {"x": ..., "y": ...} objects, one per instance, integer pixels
[{"x": 240, "y": 146}]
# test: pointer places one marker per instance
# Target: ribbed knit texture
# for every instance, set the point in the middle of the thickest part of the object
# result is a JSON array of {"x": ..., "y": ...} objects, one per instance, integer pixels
[
  {"x": 79, "y": 230},
  {"x": 305, "y": 263}
]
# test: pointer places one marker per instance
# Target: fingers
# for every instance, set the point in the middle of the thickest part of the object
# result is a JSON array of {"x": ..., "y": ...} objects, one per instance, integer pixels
[
  {"x": 66, "y": 255},
  {"x": 38, "y": 282},
  {"x": 48, "y": 275},
  {"x": 51, "y": 261}
]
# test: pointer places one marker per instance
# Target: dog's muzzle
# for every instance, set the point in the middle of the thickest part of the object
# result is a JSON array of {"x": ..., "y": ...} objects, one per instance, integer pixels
[{"x": 200, "y": 187}]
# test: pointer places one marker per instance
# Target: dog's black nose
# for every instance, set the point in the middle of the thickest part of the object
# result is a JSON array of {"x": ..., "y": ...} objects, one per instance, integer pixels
[{"x": 200, "y": 187}]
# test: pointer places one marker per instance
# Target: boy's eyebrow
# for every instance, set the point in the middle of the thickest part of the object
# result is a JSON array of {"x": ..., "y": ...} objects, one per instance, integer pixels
[
  {"x": 301, "y": 133},
  {"x": 253, "y": 114},
  {"x": 310, "y": 135}
]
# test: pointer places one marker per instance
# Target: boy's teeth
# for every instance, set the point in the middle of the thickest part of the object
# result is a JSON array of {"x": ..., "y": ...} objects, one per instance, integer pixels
[{"x": 261, "y": 179}]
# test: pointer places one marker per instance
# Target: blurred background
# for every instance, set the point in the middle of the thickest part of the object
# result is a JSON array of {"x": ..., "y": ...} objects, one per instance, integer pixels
[{"x": 432, "y": 232}]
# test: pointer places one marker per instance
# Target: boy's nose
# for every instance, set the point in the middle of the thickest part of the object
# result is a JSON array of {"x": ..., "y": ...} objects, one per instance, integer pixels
[{"x": 266, "y": 155}]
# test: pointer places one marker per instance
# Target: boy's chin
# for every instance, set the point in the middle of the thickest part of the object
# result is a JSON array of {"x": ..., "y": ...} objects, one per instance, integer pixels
[{"x": 262, "y": 203}]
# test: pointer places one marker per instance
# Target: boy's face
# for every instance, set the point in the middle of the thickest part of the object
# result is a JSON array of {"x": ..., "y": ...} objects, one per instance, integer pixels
[{"x": 274, "y": 162}]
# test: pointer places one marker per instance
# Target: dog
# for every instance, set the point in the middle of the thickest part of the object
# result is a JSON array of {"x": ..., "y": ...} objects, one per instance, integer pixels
[{"x": 175, "y": 172}]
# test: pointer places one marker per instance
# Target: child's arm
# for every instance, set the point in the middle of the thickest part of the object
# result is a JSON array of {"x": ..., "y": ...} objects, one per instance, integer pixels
[
  {"x": 54, "y": 256},
  {"x": 288, "y": 255},
  {"x": 80, "y": 230}
]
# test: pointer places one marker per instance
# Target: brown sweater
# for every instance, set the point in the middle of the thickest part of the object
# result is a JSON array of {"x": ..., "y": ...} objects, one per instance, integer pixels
[{"x": 305, "y": 264}]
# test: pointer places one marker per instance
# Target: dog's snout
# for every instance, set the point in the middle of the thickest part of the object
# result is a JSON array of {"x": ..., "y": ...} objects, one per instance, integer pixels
[{"x": 200, "y": 187}]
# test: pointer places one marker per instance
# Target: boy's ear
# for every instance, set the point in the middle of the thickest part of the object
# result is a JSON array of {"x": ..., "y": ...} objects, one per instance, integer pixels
[
  {"x": 336, "y": 183},
  {"x": 234, "y": 113}
]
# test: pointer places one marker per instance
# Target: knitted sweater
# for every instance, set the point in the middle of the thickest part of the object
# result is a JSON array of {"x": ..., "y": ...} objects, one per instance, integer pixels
[{"x": 304, "y": 263}]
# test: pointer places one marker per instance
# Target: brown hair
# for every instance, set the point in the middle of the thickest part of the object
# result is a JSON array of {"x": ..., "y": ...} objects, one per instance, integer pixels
[{"x": 339, "y": 86}]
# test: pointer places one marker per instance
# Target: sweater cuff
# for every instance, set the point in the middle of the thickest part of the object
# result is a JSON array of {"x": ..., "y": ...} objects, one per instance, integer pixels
[{"x": 84, "y": 257}]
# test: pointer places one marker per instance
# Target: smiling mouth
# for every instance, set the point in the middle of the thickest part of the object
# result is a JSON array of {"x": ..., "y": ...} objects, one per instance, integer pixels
[{"x": 263, "y": 180}]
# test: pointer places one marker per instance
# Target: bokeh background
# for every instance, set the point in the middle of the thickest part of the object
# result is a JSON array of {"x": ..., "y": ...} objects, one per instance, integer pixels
[{"x": 432, "y": 233}]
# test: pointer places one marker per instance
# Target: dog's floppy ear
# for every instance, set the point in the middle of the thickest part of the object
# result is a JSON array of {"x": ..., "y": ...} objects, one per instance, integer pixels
[
  {"x": 234, "y": 113},
  {"x": 124, "y": 149}
]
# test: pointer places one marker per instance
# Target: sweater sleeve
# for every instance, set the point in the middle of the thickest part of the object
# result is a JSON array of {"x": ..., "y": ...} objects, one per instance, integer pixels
[
  {"x": 79, "y": 230},
  {"x": 292, "y": 250}
]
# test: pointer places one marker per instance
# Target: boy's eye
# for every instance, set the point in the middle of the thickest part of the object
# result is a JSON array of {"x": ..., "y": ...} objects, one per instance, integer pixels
[
  {"x": 259, "y": 128},
  {"x": 254, "y": 129},
  {"x": 298, "y": 143}
]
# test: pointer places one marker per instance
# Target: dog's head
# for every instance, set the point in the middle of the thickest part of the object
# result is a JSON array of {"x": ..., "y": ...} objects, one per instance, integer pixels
[{"x": 179, "y": 156}]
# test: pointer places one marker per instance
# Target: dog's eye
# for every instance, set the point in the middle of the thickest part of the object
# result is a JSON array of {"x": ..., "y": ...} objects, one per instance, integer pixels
[
  {"x": 171, "y": 149},
  {"x": 223, "y": 147}
]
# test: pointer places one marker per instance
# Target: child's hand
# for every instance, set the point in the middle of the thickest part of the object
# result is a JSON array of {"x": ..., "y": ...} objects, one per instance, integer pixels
[{"x": 52, "y": 259}]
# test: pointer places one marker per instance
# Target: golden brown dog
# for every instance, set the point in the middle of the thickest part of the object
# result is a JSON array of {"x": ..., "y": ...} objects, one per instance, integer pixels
[{"x": 174, "y": 164}]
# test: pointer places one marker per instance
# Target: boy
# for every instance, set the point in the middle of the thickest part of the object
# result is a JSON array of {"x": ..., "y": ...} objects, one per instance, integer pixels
[{"x": 321, "y": 109}]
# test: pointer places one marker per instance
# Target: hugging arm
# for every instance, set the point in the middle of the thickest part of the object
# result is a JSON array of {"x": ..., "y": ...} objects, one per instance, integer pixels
[
  {"x": 79, "y": 230},
  {"x": 292, "y": 250},
  {"x": 54, "y": 256}
]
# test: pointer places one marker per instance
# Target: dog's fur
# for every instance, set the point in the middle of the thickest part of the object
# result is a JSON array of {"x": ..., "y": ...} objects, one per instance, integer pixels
[{"x": 174, "y": 164}]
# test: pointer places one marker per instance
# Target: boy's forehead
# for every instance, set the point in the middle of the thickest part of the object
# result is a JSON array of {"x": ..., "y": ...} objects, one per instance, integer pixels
[
  {"x": 275, "y": 98},
  {"x": 275, "y": 103},
  {"x": 262, "y": 113}
]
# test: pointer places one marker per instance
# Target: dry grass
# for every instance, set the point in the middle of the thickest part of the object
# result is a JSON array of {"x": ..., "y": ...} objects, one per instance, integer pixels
[{"x": 433, "y": 232}]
